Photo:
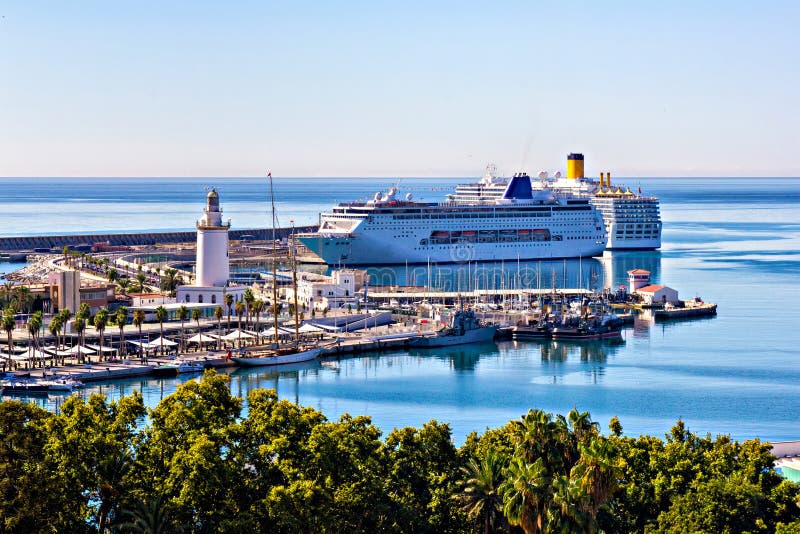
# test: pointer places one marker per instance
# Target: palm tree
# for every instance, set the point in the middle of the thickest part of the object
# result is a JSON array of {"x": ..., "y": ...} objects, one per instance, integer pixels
[
  {"x": 79, "y": 325},
  {"x": 149, "y": 518},
  {"x": 161, "y": 316},
  {"x": 479, "y": 491},
  {"x": 64, "y": 315},
  {"x": 240, "y": 311},
  {"x": 597, "y": 472},
  {"x": 124, "y": 283},
  {"x": 34, "y": 325},
  {"x": 55, "y": 329},
  {"x": 122, "y": 319},
  {"x": 138, "y": 320},
  {"x": 258, "y": 307},
  {"x": 196, "y": 315},
  {"x": 183, "y": 314},
  {"x": 525, "y": 495},
  {"x": 229, "y": 304},
  {"x": 218, "y": 314},
  {"x": 100, "y": 323},
  {"x": 249, "y": 298},
  {"x": 9, "y": 323}
]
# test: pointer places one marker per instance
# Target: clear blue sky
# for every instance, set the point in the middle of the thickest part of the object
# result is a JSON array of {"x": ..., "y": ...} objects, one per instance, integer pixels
[{"x": 403, "y": 88}]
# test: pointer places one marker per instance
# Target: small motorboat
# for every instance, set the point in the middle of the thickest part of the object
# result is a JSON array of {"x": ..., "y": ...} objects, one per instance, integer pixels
[{"x": 187, "y": 366}]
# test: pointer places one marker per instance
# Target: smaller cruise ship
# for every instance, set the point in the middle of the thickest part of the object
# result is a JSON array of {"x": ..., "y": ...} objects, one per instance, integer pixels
[
  {"x": 520, "y": 223},
  {"x": 632, "y": 220}
]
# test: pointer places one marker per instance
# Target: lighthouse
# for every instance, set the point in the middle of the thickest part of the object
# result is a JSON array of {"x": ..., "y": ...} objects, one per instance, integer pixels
[
  {"x": 212, "y": 245},
  {"x": 212, "y": 270}
]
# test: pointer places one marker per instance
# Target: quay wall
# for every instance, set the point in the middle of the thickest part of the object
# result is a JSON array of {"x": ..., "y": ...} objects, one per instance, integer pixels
[{"x": 132, "y": 239}]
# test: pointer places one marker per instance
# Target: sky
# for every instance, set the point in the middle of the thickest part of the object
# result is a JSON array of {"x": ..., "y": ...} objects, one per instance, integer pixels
[{"x": 403, "y": 88}]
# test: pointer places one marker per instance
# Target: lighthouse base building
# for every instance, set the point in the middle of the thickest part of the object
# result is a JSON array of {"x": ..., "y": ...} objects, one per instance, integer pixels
[{"x": 212, "y": 272}]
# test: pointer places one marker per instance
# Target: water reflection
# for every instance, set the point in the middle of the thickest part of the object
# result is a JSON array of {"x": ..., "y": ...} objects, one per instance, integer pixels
[{"x": 607, "y": 271}]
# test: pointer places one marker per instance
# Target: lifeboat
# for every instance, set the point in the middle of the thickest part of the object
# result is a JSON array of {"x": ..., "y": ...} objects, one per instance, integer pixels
[
  {"x": 468, "y": 233},
  {"x": 523, "y": 232},
  {"x": 440, "y": 234}
]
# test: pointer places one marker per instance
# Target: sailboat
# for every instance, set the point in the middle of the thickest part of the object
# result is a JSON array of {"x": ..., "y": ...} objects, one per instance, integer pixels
[{"x": 275, "y": 354}]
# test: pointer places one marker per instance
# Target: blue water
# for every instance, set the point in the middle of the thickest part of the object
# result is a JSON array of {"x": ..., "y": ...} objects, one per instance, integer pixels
[{"x": 735, "y": 242}]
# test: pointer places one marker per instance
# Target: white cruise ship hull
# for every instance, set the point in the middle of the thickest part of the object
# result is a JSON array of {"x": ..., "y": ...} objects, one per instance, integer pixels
[{"x": 380, "y": 249}]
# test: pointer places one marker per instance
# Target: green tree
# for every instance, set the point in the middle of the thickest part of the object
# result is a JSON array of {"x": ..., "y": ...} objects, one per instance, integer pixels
[
  {"x": 185, "y": 453},
  {"x": 218, "y": 314},
  {"x": 249, "y": 298},
  {"x": 151, "y": 517},
  {"x": 100, "y": 323},
  {"x": 89, "y": 446},
  {"x": 423, "y": 470},
  {"x": 196, "y": 315},
  {"x": 239, "y": 312},
  {"x": 229, "y": 305},
  {"x": 29, "y": 490},
  {"x": 161, "y": 316},
  {"x": 65, "y": 316},
  {"x": 479, "y": 491},
  {"x": 258, "y": 307},
  {"x": 78, "y": 326},
  {"x": 9, "y": 324},
  {"x": 55, "y": 330},
  {"x": 121, "y": 317},
  {"x": 84, "y": 312},
  {"x": 34, "y": 326},
  {"x": 138, "y": 320},
  {"x": 183, "y": 314}
]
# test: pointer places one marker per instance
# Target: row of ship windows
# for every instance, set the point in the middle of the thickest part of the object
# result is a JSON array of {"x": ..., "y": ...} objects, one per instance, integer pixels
[{"x": 378, "y": 223}]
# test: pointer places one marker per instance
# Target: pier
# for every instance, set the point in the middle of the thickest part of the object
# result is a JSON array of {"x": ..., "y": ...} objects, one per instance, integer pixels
[{"x": 52, "y": 242}]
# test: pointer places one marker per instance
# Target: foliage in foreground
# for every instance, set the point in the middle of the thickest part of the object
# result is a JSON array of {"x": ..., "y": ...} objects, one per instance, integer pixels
[{"x": 198, "y": 466}]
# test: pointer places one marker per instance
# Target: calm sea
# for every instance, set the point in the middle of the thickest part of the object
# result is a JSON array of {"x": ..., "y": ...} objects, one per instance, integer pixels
[{"x": 735, "y": 242}]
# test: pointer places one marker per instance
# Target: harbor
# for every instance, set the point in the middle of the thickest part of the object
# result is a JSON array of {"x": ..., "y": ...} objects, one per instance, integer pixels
[{"x": 505, "y": 294}]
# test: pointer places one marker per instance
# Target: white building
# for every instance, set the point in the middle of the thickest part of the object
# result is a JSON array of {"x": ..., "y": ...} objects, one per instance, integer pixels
[
  {"x": 637, "y": 278},
  {"x": 339, "y": 290},
  {"x": 654, "y": 294},
  {"x": 139, "y": 300},
  {"x": 213, "y": 268}
]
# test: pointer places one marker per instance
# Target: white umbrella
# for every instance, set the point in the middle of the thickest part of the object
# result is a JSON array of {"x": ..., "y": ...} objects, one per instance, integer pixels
[
  {"x": 83, "y": 350},
  {"x": 234, "y": 335},
  {"x": 270, "y": 332},
  {"x": 105, "y": 349},
  {"x": 309, "y": 328},
  {"x": 201, "y": 338},
  {"x": 31, "y": 353},
  {"x": 156, "y": 343}
]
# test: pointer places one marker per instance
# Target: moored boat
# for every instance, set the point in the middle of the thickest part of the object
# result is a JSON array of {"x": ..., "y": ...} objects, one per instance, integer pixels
[
  {"x": 277, "y": 356},
  {"x": 464, "y": 328},
  {"x": 187, "y": 366},
  {"x": 691, "y": 308}
]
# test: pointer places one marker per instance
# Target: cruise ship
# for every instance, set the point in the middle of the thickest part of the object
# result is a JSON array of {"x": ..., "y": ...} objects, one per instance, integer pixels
[
  {"x": 632, "y": 220},
  {"x": 520, "y": 223}
]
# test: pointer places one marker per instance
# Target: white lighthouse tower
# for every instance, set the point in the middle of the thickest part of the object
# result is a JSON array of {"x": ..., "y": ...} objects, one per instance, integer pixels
[
  {"x": 212, "y": 245},
  {"x": 212, "y": 271}
]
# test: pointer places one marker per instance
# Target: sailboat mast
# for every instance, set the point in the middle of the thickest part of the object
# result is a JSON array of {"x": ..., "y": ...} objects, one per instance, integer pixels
[
  {"x": 274, "y": 263},
  {"x": 294, "y": 291}
]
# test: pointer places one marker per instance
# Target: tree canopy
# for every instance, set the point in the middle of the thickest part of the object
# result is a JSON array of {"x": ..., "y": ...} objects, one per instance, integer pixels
[{"x": 197, "y": 463}]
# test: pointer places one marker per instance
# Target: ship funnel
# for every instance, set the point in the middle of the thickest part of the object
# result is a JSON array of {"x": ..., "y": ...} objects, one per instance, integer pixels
[
  {"x": 574, "y": 166},
  {"x": 608, "y": 178}
]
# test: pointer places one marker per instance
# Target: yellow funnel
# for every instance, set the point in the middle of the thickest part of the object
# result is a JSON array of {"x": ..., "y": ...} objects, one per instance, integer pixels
[{"x": 574, "y": 166}]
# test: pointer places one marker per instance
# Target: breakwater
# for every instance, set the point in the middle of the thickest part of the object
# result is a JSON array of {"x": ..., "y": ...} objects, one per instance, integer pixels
[{"x": 134, "y": 239}]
